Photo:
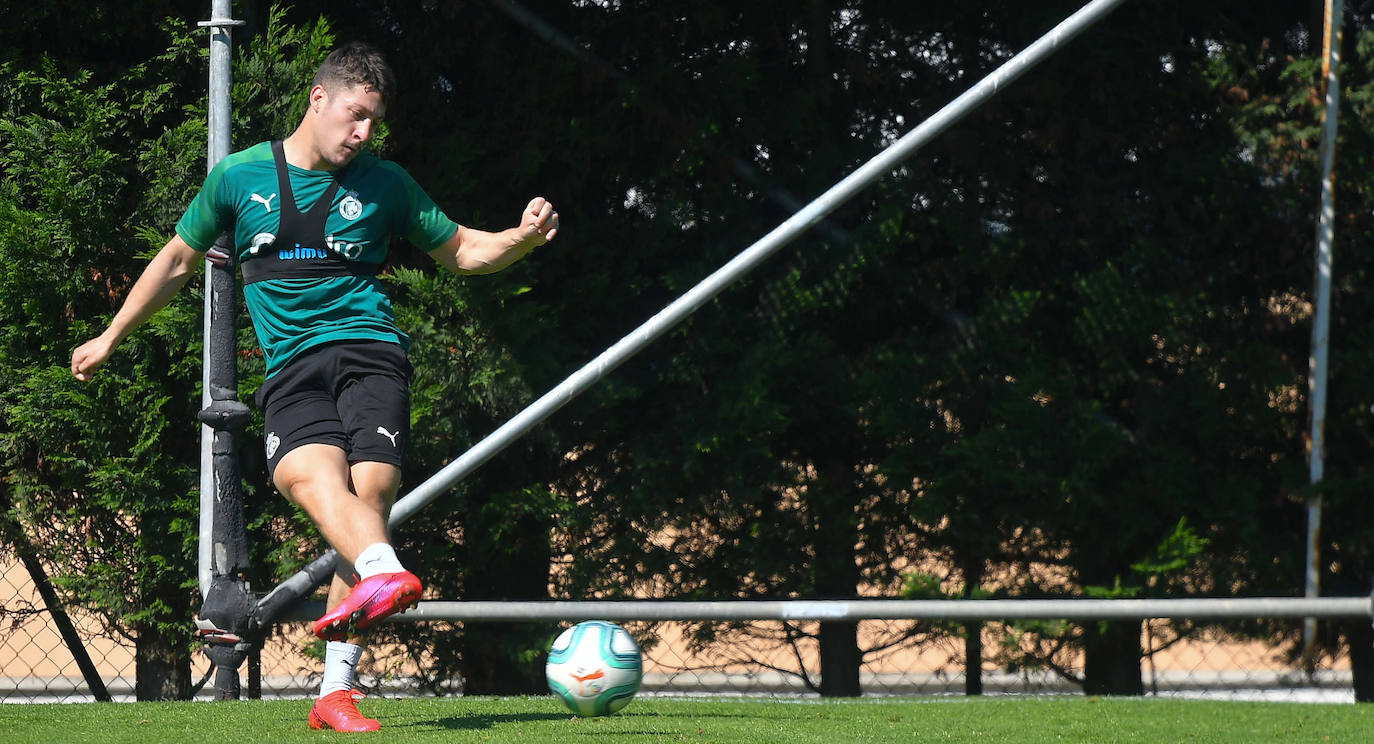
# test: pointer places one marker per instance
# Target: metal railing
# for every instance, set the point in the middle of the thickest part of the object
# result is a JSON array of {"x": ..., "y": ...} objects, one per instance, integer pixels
[{"x": 911, "y": 647}]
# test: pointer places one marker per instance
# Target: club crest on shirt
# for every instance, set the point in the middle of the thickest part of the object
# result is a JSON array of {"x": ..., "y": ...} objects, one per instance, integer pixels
[
  {"x": 350, "y": 208},
  {"x": 260, "y": 241}
]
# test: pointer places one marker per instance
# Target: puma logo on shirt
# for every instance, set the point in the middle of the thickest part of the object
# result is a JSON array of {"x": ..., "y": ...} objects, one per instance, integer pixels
[
  {"x": 265, "y": 201},
  {"x": 388, "y": 435}
]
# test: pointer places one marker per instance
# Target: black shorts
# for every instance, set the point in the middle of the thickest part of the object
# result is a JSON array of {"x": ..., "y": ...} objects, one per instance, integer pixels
[{"x": 354, "y": 395}]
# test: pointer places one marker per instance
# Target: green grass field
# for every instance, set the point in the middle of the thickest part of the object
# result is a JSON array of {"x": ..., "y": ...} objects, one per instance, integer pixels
[{"x": 666, "y": 720}]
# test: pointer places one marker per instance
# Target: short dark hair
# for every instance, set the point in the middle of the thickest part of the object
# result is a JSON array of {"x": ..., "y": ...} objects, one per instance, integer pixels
[{"x": 357, "y": 63}]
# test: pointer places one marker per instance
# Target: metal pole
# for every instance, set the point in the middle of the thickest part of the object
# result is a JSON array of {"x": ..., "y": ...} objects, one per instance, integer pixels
[
  {"x": 884, "y": 609},
  {"x": 224, "y": 616},
  {"x": 708, "y": 288},
  {"x": 1321, "y": 321},
  {"x": 877, "y": 167},
  {"x": 218, "y": 147}
]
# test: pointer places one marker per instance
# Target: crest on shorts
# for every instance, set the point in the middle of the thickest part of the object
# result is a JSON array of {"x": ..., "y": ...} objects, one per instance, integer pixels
[
  {"x": 272, "y": 444},
  {"x": 350, "y": 208}
]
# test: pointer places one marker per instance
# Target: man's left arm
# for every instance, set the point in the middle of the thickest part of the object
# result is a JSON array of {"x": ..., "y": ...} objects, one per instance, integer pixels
[{"x": 471, "y": 251}]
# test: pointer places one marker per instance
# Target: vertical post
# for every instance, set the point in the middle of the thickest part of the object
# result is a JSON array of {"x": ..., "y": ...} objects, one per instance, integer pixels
[
  {"x": 217, "y": 147},
  {"x": 1321, "y": 321},
  {"x": 223, "y": 620}
]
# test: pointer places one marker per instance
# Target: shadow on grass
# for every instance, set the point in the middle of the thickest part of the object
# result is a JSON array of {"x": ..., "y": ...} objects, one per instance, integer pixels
[{"x": 480, "y": 721}]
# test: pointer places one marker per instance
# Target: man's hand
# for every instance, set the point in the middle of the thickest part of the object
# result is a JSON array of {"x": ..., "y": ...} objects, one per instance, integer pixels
[
  {"x": 89, "y": 356},
  {"x": 539, "y": 223},
  {"x": 472, "y": 251}
]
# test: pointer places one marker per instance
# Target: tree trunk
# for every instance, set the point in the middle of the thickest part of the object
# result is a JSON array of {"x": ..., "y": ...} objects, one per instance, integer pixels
[
  {"x": 837, "y": 576},
  {"x": 162, "y": 667},
  {"x": 840, "y": 659},
  {"x": 973, "y": 632},
  {"x": 1360, "y": 636},
  {"x": 973, "y": 659},
  {"x": 496, "y": 656},
  {"x": 1111, "y": 652}
]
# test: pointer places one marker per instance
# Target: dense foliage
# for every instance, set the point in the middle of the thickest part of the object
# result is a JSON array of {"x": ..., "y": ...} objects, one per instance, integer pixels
[{"x": 1061, "y": 352}]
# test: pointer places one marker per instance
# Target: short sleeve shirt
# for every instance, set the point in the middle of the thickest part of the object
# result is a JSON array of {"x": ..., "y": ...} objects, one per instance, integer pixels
[{"x": 376, "y": 200}]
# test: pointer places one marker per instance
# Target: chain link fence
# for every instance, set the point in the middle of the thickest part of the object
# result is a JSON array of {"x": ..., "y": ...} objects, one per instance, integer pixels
[{"x": 759, "y": 657}]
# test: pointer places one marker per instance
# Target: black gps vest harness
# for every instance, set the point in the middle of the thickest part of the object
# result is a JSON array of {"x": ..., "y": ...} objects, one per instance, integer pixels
[{"x": 300, "y": 250}]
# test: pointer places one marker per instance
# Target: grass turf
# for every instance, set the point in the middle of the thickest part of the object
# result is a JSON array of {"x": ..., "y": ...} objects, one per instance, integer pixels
[{"x": 714, "y": 720}]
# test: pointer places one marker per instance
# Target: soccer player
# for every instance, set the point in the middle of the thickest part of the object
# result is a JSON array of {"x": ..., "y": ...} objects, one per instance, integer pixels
[{"x": 311, "y": 217}]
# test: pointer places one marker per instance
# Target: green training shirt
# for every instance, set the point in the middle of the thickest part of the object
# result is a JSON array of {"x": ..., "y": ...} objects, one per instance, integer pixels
[{"x": 376, "y": 200}]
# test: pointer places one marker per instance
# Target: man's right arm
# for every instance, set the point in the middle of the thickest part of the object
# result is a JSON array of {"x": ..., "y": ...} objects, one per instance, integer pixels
[{"x": 164, "y": 276}]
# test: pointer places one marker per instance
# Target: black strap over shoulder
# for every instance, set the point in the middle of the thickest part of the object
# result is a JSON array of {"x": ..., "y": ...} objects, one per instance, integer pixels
[{"x": 299, "y": 250}]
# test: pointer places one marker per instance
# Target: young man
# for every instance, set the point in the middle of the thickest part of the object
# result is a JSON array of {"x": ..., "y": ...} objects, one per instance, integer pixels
[{"x": 311, "y": 218}]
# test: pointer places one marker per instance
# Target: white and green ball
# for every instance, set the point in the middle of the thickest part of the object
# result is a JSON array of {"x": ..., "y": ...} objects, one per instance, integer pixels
[{"x": 595, "y": 667}]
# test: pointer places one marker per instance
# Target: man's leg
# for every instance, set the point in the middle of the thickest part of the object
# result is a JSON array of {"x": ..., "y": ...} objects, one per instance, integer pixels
[
  {"x": 336, "y": 706},
  {"x": 316, "y": 477},
  {"x": 374, "y": 486}
]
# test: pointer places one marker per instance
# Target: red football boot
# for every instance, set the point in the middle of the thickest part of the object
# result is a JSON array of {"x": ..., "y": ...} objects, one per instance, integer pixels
[
  {"x": 339, "y": 711},
  {"x": 371, "y": 599}
]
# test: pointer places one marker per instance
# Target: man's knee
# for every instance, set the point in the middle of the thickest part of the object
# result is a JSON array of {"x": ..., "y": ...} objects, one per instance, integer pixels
[
  {"x": 376, "y": 482},
  {"x": 310, "y": 471}
]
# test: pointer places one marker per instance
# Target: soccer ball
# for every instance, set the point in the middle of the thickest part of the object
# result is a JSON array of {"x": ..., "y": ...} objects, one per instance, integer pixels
[{"x": 595, "y": 667}]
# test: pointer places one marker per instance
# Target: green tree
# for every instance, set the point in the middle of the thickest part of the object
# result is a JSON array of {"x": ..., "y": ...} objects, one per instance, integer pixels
[
  {"x": 100, "y": 478},
  {"x": 104, "y": 475}
]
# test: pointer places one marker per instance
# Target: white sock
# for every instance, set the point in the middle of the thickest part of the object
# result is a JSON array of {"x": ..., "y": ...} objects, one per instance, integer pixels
[
  {"x": 377, "y": 558},
  {"x": 340, "y": 662}
]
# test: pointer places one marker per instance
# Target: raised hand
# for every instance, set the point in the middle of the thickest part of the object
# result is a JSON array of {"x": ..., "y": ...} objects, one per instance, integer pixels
[{"x": 539, "y": 223}]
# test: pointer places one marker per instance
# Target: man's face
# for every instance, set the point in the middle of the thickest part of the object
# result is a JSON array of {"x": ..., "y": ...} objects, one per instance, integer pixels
[{"x": 346, "y": 120}]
